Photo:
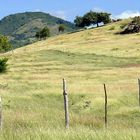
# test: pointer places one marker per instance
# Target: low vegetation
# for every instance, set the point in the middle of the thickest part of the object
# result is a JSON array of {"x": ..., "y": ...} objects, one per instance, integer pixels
[
  {"x": 3, "y": 65},
  {"x": 133, "y": 27},
  {"x": 4, "y": 44},
  {"x": 31, "y": 90}
]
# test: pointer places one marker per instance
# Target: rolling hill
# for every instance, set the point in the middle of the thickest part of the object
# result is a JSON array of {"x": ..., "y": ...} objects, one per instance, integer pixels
[
  {"x": 21, "y": 27},
  {"x": 32, "y": 87}
]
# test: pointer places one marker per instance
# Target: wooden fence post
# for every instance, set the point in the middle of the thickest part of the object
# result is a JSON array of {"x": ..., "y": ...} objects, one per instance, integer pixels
[
  {"x": 65, "y": 94},
  {"x": 139, "y": 91},
  {"x": 0, "y": 113},
  {"x": 105, "y": 106}
]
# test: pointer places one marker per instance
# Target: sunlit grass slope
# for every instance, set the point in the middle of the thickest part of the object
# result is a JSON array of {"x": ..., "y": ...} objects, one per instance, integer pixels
[{"x": 32, "y": 87}]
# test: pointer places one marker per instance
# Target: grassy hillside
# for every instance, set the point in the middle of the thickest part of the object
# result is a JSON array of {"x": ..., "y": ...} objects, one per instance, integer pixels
[
  {"x": 32, "y": 87},
  {"x": 22, "y": 27}
]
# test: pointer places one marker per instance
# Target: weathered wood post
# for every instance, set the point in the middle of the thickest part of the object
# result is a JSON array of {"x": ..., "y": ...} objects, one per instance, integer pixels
[
  {"x": 0, "y": 113},
  {"x": 139, "y": 91},
  {"x": 65, "y": 94},
  {"x": 105, "y": 106}
]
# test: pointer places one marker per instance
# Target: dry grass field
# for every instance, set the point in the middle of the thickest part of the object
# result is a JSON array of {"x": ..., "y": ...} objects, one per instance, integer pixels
[{"x": 32, "y": 87}]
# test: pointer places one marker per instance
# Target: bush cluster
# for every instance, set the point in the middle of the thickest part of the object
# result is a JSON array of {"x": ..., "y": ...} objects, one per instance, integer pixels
[
  {"x": 42, "y": 34},
  {"x": 4, "y": 44},
  {"x": 3, "y": 65}
]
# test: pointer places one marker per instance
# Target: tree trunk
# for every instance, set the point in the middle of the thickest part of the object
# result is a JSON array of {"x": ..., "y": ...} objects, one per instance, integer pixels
[{"x": 97, "y": 24}]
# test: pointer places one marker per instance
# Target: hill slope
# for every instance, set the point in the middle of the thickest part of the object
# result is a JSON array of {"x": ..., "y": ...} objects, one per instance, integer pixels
[
  {"x": 21, "y": 27},
  {"x": 32, "y": 87}
]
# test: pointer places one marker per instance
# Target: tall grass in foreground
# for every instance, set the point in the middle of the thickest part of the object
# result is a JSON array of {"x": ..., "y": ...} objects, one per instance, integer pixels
[
  {"x": 33, "y": 106},
  {"x": 72, "y": 134}
]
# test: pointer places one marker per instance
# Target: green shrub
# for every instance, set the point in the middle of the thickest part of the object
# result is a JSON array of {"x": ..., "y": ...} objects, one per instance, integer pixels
[
  {"x": 3, "y": 65},
  {"x": 112, "y": 28},
  {"x": 4, "y": 44},
  {"x": 123, "y": 25},
  {"x": 61, "y": 28},
  {"x": 136, "y": 20},
  {"x": 45, "y": 32}
]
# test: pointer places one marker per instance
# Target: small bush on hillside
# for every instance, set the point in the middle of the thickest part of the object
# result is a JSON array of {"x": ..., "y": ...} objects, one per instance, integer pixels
[
  {"x": 114, "y": 49},
  {"x": 123, "y": 25},
  {"x": 45, "y": 32},
  {"x": 61, "y": 28},
  {"x": 133, "y": 27},
  {"x": 3, "y": 65},
  {"x": 112, "y": 28},
  {"x": 4, "y": 44},
  {"x": 136, "y": 20}
]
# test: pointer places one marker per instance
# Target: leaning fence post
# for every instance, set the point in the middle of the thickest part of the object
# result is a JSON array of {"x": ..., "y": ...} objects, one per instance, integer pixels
[
  {"x": 105, "y": 106},
  {"x": 0, "y": 113},
  {"x": 65, "y": 94},
  {"x": 139, "y": 91}
]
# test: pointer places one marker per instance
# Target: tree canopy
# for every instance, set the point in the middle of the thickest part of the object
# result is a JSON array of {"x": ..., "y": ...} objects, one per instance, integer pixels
[
  {"x": 79, "y": 21},
  {"x": 92, "y": 18}
]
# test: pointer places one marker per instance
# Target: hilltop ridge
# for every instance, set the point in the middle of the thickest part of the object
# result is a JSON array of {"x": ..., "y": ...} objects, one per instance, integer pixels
[{"x": 21, "y": 27}]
